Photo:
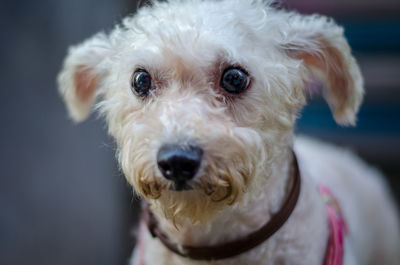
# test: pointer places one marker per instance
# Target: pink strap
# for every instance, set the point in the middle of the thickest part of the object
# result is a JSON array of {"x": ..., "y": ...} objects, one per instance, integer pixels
[
  {"x": 334, "y": 252},
  {"x": 139, "y": 249}
]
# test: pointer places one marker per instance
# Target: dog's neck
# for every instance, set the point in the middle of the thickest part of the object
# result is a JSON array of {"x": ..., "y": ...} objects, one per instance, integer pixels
[{"x": 248, "y": 215}]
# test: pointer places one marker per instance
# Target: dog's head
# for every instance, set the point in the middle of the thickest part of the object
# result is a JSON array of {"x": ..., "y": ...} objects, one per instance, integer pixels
[{"x": 201, "y": 96}]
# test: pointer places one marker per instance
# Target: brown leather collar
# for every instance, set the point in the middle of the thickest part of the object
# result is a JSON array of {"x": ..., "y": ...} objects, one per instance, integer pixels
[{"x": 236, "y": 247}]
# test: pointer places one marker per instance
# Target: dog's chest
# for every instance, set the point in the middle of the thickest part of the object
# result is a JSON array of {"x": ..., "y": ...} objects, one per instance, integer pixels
[{"x": 301, "y": 241}]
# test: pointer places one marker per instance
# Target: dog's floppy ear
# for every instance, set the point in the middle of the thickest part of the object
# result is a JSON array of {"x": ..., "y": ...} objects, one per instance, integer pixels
[
  {"x": 81, "y": 75},
  {"x": 326, "y": 55}
]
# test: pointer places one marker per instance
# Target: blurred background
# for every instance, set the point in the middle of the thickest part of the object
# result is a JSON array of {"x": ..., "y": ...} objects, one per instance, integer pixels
[{"x": 63, "y": 200}]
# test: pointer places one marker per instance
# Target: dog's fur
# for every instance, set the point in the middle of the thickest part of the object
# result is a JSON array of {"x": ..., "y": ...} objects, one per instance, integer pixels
[{"x": 246, "y": 138}]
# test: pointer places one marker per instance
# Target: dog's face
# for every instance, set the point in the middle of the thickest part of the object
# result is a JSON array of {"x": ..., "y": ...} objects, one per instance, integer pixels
[{"x": 201, "y": 97}]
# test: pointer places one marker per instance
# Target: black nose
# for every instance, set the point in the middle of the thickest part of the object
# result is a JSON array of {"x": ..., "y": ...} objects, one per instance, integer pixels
[{"x": 179, "y": 163}]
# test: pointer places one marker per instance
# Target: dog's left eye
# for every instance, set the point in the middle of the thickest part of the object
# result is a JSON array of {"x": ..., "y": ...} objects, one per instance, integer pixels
[
  {"x": 141, "y": 82},
  {"x": 234, "y": 80}
]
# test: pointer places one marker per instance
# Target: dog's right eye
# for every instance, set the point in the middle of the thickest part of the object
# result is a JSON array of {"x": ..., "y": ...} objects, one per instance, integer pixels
[
  {"x": 141, "y": 82},
  {"x": 234, "y": 80}
]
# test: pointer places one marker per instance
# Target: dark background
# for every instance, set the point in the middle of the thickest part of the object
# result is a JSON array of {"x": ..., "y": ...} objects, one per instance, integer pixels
[{"x": 62, "y": 198}]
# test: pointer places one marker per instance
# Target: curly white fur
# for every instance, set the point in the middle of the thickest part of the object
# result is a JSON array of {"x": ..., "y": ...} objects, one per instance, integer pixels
[{"x": 247, "y": 139}]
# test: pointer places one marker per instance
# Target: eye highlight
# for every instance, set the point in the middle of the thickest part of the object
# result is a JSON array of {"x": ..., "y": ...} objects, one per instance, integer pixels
[
  {"x": 234, "y": 80},
  {"x": 141, "y": 82}
]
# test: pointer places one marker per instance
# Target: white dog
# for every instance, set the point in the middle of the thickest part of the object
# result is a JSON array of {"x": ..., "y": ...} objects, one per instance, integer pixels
[{"x": 201, "y": 97}]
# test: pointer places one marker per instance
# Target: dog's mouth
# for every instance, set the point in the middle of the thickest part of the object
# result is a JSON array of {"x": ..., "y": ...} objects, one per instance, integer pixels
[{"x": 180, "y": 186}]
